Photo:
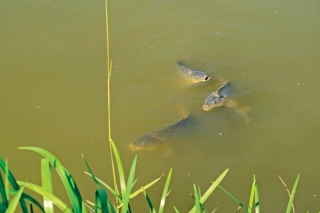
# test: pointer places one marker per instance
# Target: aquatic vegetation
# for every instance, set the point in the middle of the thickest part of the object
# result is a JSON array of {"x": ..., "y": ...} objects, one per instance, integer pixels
[{"x": 103, "y": 203}]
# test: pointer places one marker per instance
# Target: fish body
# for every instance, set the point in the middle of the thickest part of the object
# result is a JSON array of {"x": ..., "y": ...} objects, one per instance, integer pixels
[
  {"x": 157, "y": 138},
  {"x": 219, "y": 97},
  {"x": 193, "y": 75}
]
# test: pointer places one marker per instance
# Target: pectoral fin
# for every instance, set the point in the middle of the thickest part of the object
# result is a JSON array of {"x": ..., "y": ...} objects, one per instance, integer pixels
[
  {"x": 231, "y": 103},
  {"x": 243, "y": 113}
]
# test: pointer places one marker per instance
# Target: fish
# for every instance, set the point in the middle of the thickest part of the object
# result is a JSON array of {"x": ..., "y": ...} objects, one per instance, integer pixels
[
  {"x": 219, "y": 97},
  {"x": 193, "y": 75},
  {"x": 156, "y": 139}
]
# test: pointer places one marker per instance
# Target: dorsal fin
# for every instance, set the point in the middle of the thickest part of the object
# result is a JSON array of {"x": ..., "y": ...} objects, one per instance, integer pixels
[{"x": 220, "y": 89}]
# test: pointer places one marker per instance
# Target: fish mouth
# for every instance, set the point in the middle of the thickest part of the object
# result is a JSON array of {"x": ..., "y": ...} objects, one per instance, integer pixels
[
  {"x": 206, "y": 107},
  {"x": 134, "y": 148}
]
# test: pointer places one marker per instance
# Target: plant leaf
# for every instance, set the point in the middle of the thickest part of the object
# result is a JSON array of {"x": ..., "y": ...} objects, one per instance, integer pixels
[
  {"x": 126, "y": 199},
  {"x": 234, "y": 198},
  {"x": 66, "y": 178},
  {"x": 14, "y": 203},
  {"x": 251, "y": 198},
  {"x": 256, "y": 196},
  {"x": 46, "y": 180},
  {"x": 196, "y": 199},
  {"x": 144, "y": 187},
  {"x": 293, "y": 192},
  {"x": 40, "y": 190},
  {"x": 91, "y": 173},
  {"x": 120, "y": 168},
  {"x": 101, "y": 201},
  {"x": 165, "y": 190},
  {"x": 211, "y": 189},
  {"x": 151, "y": 207}
]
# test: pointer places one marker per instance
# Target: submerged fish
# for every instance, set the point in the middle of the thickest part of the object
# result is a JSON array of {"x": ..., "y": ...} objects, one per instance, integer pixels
[
  {"x": 219, "y": 98},
  {"x": 193, "y": 75},
  {"x": 157, "y": 138}
]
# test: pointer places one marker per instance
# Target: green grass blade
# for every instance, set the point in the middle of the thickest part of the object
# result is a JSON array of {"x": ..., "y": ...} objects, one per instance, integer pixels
[
  {"x": 120, "y": 168},
  {"x": 144, "y": 187},
  {"x": 66, "y": 178},
  {"x": 256, "y": 196},
  {"x": 151, "y": 207},
  {"x": 126, "y": 199},
  {"x": 83, "y": 207},
  {"x": 293, "y": 192},
  {"x": 176, "y": 210},
  {"x": 6, "y": 182},
  {"x": 203, "y": 209},
  {"x": 251, "y": 199},
  {"x": 165, "y": 191},
  {"x": 9, "y": 178},
  {"x": 105, "y": 185},
  {"x": 14, "y": 202},
  {"x": 234, "y": 198},
  {"x": 90, "y": 205},
  {"x": 40, "y": 190},
  {"x": 196, "y": 199},
  {"x": 32, "y": 200},
  {"x": 46, "y": 180},
  {"x": 211, "y": 188},
  {"x": 91, "y": 173},
  {"x": 101, "y": 201},
  {"x": 4, "y": 187},
  {"x": 4, "y": 201}
]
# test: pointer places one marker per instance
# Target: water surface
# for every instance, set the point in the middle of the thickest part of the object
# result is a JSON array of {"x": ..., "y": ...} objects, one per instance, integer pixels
[{"x": 53, "y": 93}]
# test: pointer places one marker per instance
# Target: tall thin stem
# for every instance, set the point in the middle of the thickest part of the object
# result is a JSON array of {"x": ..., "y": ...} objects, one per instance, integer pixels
[{"x": 109, "y": 68}]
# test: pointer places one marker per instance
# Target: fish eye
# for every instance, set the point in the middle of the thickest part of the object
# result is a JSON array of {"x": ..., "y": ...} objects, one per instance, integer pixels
[{"x": 207, "y": 78}]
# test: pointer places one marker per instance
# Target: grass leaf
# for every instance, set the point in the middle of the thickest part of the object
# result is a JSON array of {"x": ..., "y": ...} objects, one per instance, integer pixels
[
  {"x": 40, "y": 190},
  {"x": 14, "y": 203},
  {"x": 151, "y": 207},
  {"x": 46, "y": 180},
  {"x": 101, "y": 201},
  {"x": 196, "y": 199},
  {"x": 66, "y": 178},
  {"x": 105, "y": 185},
  {"x": 164, "y": 193},
  {"x": 126, "y": 199},
  {"x": 234, "y": 198},
  {"x": 256, "y": 196},
  {"x": 211, "y": 189},
  {"x": 9, "y": 178},
  {"x": 144, "y": 187},
  {"x": 176, "y": 210},
  {"x": 91, "y": 173},
  {"x": 251, "y": 198},
  {"x": 120, "y": 168},
  {"x": 293, "y": 192}
]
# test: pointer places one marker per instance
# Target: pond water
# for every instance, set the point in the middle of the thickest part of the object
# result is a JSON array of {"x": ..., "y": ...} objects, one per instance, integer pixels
[{"x": 53, "y": 88}]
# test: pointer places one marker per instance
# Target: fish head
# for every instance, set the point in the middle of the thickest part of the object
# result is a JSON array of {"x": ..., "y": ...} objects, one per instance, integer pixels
[
  {"x": 199, "y": 77},
  {"x": 146, "y": 142},
  {"x": 214, "y": 100}
]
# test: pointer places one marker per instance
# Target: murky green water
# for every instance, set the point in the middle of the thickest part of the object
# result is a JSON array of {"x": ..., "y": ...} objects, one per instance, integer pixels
[{"x": 53, "y": 93}]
